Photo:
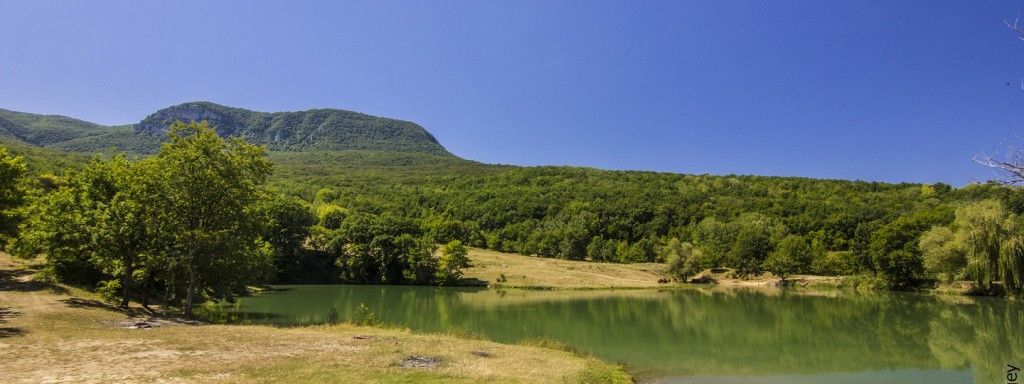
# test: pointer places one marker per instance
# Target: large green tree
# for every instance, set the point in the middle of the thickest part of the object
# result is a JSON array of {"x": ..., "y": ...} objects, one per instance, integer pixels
[
  {"x": 683, "y": 259},
  {"x": 212, "y": 187},
  {"x": 755, "y": 240},
  {"x": 186, "y": 219},
  {"x": 792, "y": 255},
  {"x": 59, "y": 225},
  {"x": 121, "y": 227},
  {"x": 95, "y": 225},
  {"x": 454, "y": 258},
  {"x": 89, "y": 224},
  {"x": 945, "y": 255}
]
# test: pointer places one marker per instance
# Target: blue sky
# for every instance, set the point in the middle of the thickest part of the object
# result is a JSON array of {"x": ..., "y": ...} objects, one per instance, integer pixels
[{"x": 872, "y": 90}]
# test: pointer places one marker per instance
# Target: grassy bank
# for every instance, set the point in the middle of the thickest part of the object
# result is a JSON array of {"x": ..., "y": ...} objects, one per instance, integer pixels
[
  {"x": 517, "y": 271},
  {"x": 51, "y": 333},
  {"x": 509, "y": 270}
]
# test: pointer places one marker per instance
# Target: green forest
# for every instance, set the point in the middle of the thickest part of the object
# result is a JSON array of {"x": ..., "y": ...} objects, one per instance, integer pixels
[{"x": 754, "y": 224}]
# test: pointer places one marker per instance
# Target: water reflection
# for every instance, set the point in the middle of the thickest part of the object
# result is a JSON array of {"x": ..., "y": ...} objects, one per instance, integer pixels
[{"x": 715, "y": 335}]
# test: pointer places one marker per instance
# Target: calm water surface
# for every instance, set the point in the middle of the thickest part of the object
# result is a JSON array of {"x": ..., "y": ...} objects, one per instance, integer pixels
[{"x": 703, "y": 336}]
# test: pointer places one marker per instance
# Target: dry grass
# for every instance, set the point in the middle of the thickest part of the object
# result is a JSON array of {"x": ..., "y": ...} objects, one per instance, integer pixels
[
  {"x": 55, "y": 335},
  {"x": 537, "y": 272}
]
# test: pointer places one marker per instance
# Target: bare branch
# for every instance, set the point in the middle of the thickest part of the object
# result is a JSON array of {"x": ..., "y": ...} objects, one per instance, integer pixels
[
  {"x": 1015, "y": 27},
  {"x": 1009, "y": 165}
]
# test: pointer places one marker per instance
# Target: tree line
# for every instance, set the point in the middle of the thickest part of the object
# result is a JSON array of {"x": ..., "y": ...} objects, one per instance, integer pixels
[{"x": 753, "y": 224}]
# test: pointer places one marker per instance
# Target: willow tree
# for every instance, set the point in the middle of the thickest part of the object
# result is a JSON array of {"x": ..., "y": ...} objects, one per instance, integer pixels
[
  {"x": 211, "y": 190},
  {"x": 981, "y": 227},
  {"x": 985, "y": 243},
  {"x": 1011, "y": 255}
]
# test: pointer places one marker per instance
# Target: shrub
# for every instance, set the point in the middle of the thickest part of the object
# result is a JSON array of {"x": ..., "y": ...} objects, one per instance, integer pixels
[{"x": 363, "y": 316}]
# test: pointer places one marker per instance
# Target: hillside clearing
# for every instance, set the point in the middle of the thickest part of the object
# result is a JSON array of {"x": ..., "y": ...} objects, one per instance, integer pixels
[{"x": 536, "y": 272}]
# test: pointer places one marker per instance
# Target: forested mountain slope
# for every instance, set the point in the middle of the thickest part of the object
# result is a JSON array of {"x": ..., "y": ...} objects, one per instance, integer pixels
[
  {"x": 316, "y": 129},
  {"x": 43, "y": 130},
  {"x": 626, "y": 216}
]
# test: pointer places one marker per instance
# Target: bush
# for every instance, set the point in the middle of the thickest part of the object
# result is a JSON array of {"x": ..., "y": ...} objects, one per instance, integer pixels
[
  {"x": 363, "y": 316},
  {"x": 864, "y": 283}
]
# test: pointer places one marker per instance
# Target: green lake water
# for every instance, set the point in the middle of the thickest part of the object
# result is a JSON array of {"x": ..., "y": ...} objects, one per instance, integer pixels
[{"x": 702, "y": 336}]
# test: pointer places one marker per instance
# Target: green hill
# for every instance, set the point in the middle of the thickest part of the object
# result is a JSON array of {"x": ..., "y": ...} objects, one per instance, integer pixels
[
  {"x": 43, "y": 130},
  {"x": 315, "y": 129}
]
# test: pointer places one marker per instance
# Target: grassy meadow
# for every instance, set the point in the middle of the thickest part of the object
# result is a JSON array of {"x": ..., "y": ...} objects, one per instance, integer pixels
[{"x": 508, "y": 270}]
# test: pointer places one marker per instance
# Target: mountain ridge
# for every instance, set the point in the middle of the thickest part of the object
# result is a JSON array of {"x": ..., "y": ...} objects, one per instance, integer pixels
[{"x": 314, "y": 129}]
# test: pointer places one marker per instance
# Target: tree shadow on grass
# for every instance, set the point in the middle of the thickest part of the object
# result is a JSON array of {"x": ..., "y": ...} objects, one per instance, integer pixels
[
  {"x": 5, "y": 314},
  {"x": 20, "y": 280},
  {"x": 78, "y": 302}
]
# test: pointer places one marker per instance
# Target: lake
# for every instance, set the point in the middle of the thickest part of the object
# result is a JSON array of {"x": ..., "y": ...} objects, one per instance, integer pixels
[{"x": 712, "y": 335}]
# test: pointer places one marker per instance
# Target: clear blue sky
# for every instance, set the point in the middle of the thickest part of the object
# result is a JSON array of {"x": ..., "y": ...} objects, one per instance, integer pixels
[{"x": 874, "y": 90}]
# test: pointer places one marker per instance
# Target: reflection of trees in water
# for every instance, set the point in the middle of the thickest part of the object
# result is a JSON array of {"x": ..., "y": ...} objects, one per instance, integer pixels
[
  {"x": 708, "y": 332},
  {"x": 984, "y": 336}
]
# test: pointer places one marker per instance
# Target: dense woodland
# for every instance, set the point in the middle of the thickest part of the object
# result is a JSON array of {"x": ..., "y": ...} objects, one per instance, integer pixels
[
  {"x": 751, "y": 223},
  {"x": 133, "y": 224}
]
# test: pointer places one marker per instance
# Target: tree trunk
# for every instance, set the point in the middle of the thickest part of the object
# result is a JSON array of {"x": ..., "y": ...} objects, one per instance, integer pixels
[
  {"x": 167, "y": 294},
  {"x": 126, "y": 281},
  {"x": 147, "y": 287},
  {"x": 190, "y": 290}
]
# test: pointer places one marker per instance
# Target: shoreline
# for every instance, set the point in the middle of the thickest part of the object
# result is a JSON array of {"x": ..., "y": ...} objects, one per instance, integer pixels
[{"x": 546, "y": 274}]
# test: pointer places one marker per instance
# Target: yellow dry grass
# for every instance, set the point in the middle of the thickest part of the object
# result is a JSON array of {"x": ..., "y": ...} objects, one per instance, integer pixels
[
  {"x": 50, "y": 333},
  {"x": 537, "y": 272}
]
